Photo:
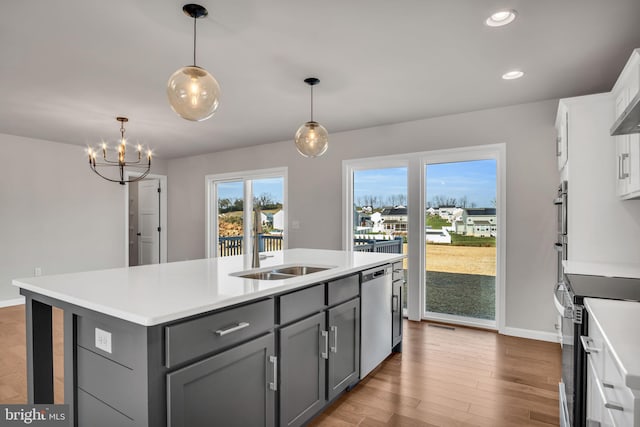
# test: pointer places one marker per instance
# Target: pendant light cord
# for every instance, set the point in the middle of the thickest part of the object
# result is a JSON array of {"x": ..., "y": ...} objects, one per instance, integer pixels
[
  {"x": 311, "y": 102},
  {"x": 195, "y": 18}
]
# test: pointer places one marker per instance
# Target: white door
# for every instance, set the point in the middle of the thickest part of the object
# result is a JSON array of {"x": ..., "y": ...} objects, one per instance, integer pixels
[{"x": 149, "y": 222}]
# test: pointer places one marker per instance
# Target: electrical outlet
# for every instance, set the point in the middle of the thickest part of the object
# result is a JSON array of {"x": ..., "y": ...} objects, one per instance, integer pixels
[
  {"x": 103, "y": 340},
  {"x": 37, "y": 271},
  {"x": 295, "y": 224}
]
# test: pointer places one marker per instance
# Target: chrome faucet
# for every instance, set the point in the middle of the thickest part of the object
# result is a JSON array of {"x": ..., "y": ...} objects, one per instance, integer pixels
[{"x": 257, "y": 230}]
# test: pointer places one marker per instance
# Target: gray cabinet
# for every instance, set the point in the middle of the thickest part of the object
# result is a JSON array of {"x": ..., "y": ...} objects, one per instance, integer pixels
[
  {"x": 233, "y": 388},
  {"x": 303, "y": 352},
  {"x": 344, "y": 347}
]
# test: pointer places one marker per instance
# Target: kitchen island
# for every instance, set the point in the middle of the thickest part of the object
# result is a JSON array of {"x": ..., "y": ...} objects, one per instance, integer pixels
[{"x": 194, "y": 343}]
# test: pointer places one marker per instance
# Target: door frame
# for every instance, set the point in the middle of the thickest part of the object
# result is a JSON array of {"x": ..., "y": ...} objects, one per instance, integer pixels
[{"x": 163, "y": 215}]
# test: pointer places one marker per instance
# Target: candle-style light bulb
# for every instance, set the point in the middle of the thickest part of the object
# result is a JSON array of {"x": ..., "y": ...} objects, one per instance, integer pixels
[{"x": 104, "y": 150}]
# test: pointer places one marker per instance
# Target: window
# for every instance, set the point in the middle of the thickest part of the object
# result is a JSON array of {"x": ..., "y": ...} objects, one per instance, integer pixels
[{"x": 231, "y": 199}]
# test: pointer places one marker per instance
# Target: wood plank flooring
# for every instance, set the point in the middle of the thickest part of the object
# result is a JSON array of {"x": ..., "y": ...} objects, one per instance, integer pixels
[
  {"x": 460, "y": 377},
  {"x": 444, "y": 377}
]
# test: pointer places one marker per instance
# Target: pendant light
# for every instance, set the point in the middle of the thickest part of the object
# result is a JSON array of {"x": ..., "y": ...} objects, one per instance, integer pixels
[
  {"x": 312, "y": 138},
  {"x": 193, "y": 92}
]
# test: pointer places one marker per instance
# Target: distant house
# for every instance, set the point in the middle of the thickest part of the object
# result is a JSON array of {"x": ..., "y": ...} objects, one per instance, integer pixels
[
  {"x": 278, "y": 220},
  {"x": 395, "y": 219},
  {"x": 437, "y": 235},
  {"x": 479, "y": 222},
  {"x": 446, "y": 212}
]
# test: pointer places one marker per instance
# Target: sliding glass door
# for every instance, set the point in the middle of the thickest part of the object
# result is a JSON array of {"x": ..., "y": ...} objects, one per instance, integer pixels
[
  {"x": 232, "y": 199},
  {"x": 447, "y": 207}
]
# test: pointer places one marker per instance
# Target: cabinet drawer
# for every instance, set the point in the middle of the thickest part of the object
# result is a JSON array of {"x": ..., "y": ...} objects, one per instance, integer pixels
[
  {"x": 188, "y": 340},
  {"x": 343, "y": 289},
  {"x": 299, "y": 304},
  {"x": 595, "y": 348}
]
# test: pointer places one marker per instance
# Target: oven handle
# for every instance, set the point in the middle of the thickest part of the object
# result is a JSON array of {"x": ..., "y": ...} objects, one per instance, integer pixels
[
  {"x": 587, "y": 344},
  {"x": 561, "y": 308}
]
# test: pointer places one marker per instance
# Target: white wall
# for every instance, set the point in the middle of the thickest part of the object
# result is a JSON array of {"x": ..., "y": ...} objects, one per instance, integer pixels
[
  {"x": 55, "y": 213},
  {"x": 315, "y": 195}
]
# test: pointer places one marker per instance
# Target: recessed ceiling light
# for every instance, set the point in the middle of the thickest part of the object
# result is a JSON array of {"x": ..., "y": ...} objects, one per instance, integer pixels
[
  {"x": 501, "y": 18},
  {"x": 511, "y": 75}
]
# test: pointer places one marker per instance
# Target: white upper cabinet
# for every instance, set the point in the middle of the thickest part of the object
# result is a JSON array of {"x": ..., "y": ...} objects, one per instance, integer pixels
[
  {"x": 625, "y": 92},
  {"x": 562, "y": 129}
]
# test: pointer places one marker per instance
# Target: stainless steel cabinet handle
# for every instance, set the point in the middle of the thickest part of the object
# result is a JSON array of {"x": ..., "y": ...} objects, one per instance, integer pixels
[
  {"x": 223, "y": 332},
  {"x": 325, "y": 353},
  {"x": 624, "y": 157},
  {"x": 587, "y": 344},
  {"x": 334, "y": 348},
  {"x": 613, "y": 406},
  {"x": 274, "y": 385},
  {"x": 558, "y": 150},
  {"x": 607, "y": 385}
]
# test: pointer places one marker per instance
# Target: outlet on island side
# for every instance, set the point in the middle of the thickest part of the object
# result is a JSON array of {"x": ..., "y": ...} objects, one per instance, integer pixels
[
  {"x": 37, "y": 271},
  {"x": 103, "y": 340}
]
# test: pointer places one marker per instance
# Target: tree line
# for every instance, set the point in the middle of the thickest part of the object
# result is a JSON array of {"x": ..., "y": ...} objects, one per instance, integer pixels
[{"x": 264, "y": 201}]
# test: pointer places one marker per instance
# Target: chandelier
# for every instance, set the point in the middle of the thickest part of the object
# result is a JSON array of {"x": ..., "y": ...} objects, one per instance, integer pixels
[{"x": 121, "y": 163}]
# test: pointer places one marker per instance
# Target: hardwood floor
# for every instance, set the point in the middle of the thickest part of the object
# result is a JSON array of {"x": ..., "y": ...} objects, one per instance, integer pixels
[
  {"x": 459, "y": 377},
  {"x": 444, "y": 377}
]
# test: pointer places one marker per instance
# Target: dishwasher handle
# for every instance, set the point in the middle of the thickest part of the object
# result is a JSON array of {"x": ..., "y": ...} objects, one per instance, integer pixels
[{"x": 376, "y": 273}]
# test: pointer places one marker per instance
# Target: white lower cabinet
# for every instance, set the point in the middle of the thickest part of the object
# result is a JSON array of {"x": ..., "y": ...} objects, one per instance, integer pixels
[{"x": 612, "y": 364}]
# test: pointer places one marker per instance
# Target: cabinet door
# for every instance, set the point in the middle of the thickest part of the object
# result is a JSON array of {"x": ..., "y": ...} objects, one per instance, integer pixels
[
  {"x": 344, "y": 347},
  {"x": 233, "y": 388},
  {"x": 303, "y": 353},
  {"x": 396, "y": 313}
]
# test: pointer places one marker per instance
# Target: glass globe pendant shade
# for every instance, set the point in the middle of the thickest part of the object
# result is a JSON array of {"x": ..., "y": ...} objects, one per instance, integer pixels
[
  {"x": 193, "y": 93},
  {"x": 312, "y": 139}
]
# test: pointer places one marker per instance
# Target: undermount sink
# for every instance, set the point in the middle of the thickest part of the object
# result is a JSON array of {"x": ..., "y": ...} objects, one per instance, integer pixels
[
  {"x": 281, "y": 273},
  {"x": 266, "y": 275}
]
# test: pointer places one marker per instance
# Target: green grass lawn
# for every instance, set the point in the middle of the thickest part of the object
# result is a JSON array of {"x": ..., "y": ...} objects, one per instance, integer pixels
[
  {"x": 460, "y": 240},
  {"x": 435, "y": 222}
]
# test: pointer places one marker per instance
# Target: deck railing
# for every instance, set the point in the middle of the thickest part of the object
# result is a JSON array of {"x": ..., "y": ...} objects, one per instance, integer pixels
[
  {"x": 385, "y": 246},
  {"x": 235, "y": 245}
]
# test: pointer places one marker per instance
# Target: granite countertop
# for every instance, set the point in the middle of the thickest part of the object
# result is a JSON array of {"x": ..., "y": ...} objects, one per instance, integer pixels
[
  {"x": 153, "y": 294},
  {"x": 617, "y": 321}
]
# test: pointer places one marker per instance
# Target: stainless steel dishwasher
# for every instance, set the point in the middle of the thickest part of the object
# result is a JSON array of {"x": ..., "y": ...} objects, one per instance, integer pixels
[{"x": 375, "y": 297}]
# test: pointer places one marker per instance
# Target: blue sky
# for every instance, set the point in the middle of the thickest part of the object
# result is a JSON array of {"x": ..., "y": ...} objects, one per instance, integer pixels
[
  {"x": 233, "y": 189},
  {"x": 475, "y": 179}
]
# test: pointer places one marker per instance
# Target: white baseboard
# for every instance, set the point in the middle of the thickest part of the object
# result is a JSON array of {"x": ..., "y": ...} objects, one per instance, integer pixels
[
  {"x": 10, "y": 302},
  {"x": 531, "y": 334}
]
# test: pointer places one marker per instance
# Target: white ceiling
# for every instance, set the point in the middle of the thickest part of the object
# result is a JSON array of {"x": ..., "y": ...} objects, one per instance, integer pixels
[{"x": 68, "y": 68}]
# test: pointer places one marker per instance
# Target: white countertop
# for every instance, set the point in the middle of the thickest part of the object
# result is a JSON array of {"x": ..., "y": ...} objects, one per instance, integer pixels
[
  {"x": 618, "y": 321},
  {"x": 152, "y": 294},
  {"x": 602, "y": 269}
]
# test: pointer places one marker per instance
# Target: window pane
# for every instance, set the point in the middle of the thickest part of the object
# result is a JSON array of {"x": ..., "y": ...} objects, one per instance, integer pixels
[
  {"x": 230, "y": 217},
  {"x": 380, "y": 214},
  {"x": 268, "y": 195},
  {"x": 461, "y": 226}
]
